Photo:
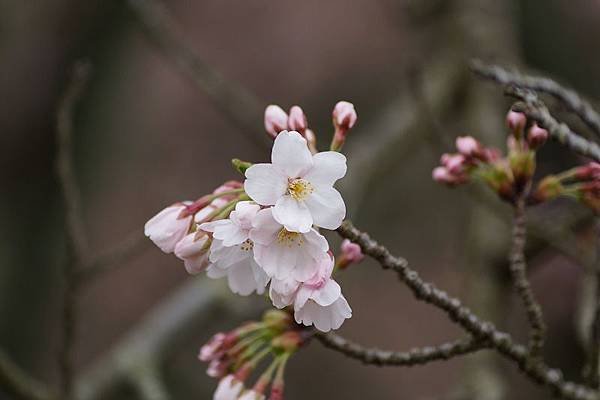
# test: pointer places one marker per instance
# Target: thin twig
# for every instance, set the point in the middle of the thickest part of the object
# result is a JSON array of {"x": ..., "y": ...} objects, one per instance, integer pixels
[
  {"x": 518, "y": 269},
  {"x": 568, "y": 97},
  {"x": 416, "y": 356},
  {"x": 17, "y": 383},
  {"x": 536, "y": 110},
  {"x": 75, "y": 237},
  {"x": 241, "y": 107},
  {"x": 480, "y": 329}
]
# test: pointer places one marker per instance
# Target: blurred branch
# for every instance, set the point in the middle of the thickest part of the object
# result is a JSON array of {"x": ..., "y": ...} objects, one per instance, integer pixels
[
  {"x": 75, "y": 235},
  {"x": 568, "y": 97},
  {"x": 536, "y": 110},
  {"x": 240, "y": 106},
  {"x": 17, "y": 383},
  {"x": 534, "y": 368},
  {"x": 417, "y": 356},
  {"x": 149, "y": 383},
  {"x": 146, "y": 344},
  {"x": 592, "y": 367},
  {"x": 518, "y": 269}
]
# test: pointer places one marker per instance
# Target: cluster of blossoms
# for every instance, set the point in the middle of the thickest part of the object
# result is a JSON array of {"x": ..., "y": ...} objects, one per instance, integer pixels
[
  {"x": 263, "y": 233},
  {"x": 233, "y": 356},
  {"x": 511, "y": 175}
]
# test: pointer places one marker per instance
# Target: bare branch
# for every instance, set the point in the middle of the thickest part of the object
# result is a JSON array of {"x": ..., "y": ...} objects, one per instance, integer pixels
[
  {"x": 416, "y": 356},
  {"x": 19, "y": 384},
  {"x": 240, "y": 106},
  {"x": 173, "y": 318},
  {"x": 518, "y": 269},
  {"x": 480, "y": 329},
  {"x": 568, "y": 97},
  {"x": 535, "y": 109},
  {"x": 75, "y": 237}
]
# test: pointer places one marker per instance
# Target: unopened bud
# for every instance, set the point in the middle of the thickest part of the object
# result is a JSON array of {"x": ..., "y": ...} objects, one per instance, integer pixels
[
  {"x": 536, "y": 136},
  {"x": 588, "y": 172},
  {"x": 276, "y": 120},
  {"x": 297, "y": 120},
  {"x": 468, "y": 146},
  {"x": 311, "y": 138},
  {"x": 522, "y": 165},
  {"x": 350, "y": 253},
  {"x": 516, "y": 122},
  {"x": 453, "y": 162},
  {"x": 442, "y": 175},
  {"x": 344, "y": 118}
]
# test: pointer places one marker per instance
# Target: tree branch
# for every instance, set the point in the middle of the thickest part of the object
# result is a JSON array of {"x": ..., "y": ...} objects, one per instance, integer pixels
[
  {"x": 75, "y": 235},
  {"x": 416, "y": 356},
  {"x": 240, "y": 106},
  {"x": 19, "y": 384},
  {"x": 518, "y": 269},
  {"x": 536, "y": 110},
  {"x": 480, "y": 329},
  {"x": 568, "y": 97}
]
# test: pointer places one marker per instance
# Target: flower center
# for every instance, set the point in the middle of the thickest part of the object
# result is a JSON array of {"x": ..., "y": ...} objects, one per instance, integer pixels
[
  {"x": 300, "y": 189},
  {"x": 247, "y": 245},
  {"x": 289, "y": 239}
]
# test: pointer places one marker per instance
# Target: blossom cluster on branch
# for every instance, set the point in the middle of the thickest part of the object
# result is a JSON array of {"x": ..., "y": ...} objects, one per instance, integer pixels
[{"x": 265, "y": 232}]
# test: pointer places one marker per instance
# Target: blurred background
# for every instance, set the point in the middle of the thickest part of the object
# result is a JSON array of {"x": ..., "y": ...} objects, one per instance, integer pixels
[{"x": 148, "y": 133}]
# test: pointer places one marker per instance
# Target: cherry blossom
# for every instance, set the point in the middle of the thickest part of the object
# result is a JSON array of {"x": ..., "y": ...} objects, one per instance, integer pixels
[
  {"x": 299, "y": 185},
  {"x": 282, "y": 253},
  {"x": 229, "y": 388},
  {"x": 168, "y": 227},
  {"x": 231, "y": 252},
  {"x": 193, "y": 250}
]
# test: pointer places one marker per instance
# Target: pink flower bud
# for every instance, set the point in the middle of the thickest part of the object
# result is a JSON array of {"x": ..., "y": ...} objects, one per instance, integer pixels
[
  {"x": 516, "y": 122},
  {"x": 276, "y": 120},
  {"x": 491, "y": 155},
  {"x": 311, "y": 138},
  {"x": 468, "y": 146},
  {"x": 344, "y": 115},
  {"x": 537, "y": 136},
  {"x": 252, "y": 395},
  {"x": 454, "y": 163},
  {"x": 442, "y": 175},
  {"x": 350, "y": 253},
  {"x": 217, "y": 368},
  {"x": 588, "y": 171},
  {"x": 229, "y": 388},
  {"x": 193, "y": 251},
  {"x": 213, "y": 348},
  {"x": 297, "y": 120},
  {"x": 169, "y": 226}
]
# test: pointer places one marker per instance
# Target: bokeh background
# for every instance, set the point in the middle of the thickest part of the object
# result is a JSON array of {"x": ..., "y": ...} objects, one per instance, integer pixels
[{"x": 146, "y": 135}]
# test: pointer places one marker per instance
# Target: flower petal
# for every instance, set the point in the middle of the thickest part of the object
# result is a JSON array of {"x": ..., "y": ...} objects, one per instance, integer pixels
[
  {"x": 327, "y": 294},
  {"x": 291, "y": 155},
  {"x": 264, "y": 227},
  {"x": 326, "y": 207},
  {"x": 293, "y": 214},
  {"x": 328, "y": 167},
  {"x": 265, "y": 184}
]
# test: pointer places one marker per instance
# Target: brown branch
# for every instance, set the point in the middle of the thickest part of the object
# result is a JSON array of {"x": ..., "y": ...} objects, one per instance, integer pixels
[
  {"x": 75, "y": 237},
  {"x": 535, "y": 369},
  {"x": 568, "y": 97},
  {"x": 17, "y": 383},
  {"x": 416, "y": 356},
  {"x": 518, "y": 269},
  {"x": 241, "y": 107},
  {"x": 536, "y": 110}
]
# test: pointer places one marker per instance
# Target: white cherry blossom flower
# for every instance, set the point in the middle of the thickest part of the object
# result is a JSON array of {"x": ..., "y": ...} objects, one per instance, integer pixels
[
  {"x": 320, "y": 302},
  {"x": 229, "y": 388},
  {"x": 299, "y": 184},
  {"x": 232, "y": 251},
  {"x": 282, "y": 253},
  {"x": 169, "y": 226}
]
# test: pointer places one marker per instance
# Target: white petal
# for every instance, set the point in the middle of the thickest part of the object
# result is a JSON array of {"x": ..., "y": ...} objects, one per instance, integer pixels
[
  {"x": 264, "y": 184},
  {"x": 277, "y": 261},
  {"x": 293, "y": 215},
  {"x": 291, "y": 155},
  {"x": 240, "y": 278},
  {"x": 230, "y": 234},
  {"x": 215, "y": 272},
  {"x": 264, "y": 227},
  {"x": 306, "y": 266},
  {"x": 327, "y": 294},
  {"x": 326, "y": 207},
  {"x": 165, "y": 229},
  {"x": 328, "y": 167},
  {"x": 316, "y": 242},
  {"x": 244, "y": 213},
  {"x": 211, "y": 226},
  {"x": 302, "y": 296}
]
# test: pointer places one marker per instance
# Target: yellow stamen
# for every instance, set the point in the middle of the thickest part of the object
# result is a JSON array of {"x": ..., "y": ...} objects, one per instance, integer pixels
[
  {"x": 299, "y": 189},
  {"x": 287, "y": 238},
  {"x": 247, "y": 245}
]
